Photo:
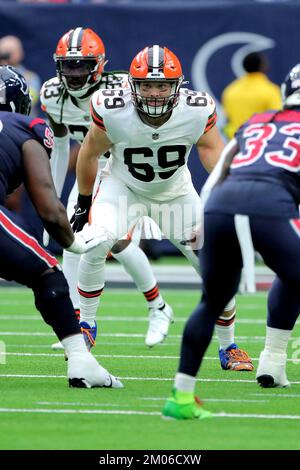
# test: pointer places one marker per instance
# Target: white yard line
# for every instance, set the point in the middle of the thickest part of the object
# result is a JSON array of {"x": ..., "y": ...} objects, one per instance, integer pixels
[
  {"x": 119, "y": 335},
  {"x": 274, "y": 395},
  {"x": 66, "y": 411},
  {"x": 120, "y": 356},
  {"x": 218, "y": 400},
  {"x": 250, "y": 339},
  {"x": 256, "y": 416},
  {"x": 161, "y": 399},
  {"x": 144, "y": 379},
  {"x": 113, "y": 405},
  {"x": 141, "y": 413},
  {"x": 125, "y": 319}
]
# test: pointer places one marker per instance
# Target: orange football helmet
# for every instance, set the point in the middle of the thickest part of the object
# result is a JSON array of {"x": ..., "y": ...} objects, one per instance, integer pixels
[
  {"x": 80, "y": 59},
  {"x": 155, "y": 63}
]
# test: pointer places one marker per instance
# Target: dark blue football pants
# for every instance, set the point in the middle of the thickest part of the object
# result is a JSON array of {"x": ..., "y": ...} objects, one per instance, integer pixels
[
  {"x": 25, "y": 261},
  {"x": 278, "y": 242}
]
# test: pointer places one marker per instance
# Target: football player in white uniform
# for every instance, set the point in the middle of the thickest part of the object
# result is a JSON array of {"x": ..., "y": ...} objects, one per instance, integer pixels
[
  {"x": 80, "y": 58},
  {"x": 150, "y": 130}
]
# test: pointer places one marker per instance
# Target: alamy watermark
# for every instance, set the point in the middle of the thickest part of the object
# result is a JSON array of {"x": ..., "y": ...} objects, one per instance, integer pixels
[
  {"x": 296, "y": 353},
  {"x": 2, "y": 352},
  {"x": 181, "y": 223}
]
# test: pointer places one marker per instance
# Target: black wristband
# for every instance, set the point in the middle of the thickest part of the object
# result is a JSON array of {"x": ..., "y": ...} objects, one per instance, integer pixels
[{"x": 84, "y": 201}]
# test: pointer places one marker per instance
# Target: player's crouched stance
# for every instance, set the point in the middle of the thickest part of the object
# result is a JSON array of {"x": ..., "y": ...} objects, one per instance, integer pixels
[{"x": 25, "y": 148}]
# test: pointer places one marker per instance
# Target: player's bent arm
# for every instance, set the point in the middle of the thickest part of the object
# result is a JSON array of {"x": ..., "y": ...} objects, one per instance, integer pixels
[
  {"x": 210, "y": 146},
  {"x": 60, "y": 155},
  {"x": 39, "y": 184},
  {"x": 95, "y": 143}
]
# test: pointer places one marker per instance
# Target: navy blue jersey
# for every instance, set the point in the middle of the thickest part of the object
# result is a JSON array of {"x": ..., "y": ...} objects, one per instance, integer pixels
[
  {"x": 264, "y": 176},
  {"x": 15, "y": 130}
]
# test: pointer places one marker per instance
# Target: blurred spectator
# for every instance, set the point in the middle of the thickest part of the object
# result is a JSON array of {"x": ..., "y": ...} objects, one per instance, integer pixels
[
  {"x": 249, "y": 94},
  {"x": 12, "y": 53}
]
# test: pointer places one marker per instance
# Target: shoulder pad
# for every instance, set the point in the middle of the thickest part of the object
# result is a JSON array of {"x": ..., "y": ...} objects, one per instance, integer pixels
[{"x": 50, "y": 91}]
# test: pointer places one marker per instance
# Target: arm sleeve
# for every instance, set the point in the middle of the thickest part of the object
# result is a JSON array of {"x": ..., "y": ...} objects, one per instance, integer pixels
[{"x": 59, "y": 162}]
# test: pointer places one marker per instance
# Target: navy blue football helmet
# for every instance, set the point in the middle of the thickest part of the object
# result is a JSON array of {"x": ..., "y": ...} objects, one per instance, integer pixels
[
  {"x": 14, "y": 92},
  {"x": 290, "y": 88}
]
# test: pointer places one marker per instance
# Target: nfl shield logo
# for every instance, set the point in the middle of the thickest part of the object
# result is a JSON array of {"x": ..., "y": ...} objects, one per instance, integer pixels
[{"x": 155, "y": 136}]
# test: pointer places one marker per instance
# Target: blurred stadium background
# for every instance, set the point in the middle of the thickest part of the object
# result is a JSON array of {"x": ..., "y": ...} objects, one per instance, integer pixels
[{"x": 211, "y": 39}]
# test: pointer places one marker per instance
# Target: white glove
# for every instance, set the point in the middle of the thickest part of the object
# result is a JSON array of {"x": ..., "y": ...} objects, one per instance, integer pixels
[
  {"x": 87, "y": 239},
  {"x": 46, "y": 238},
  {"x": 145, "y": 229}
]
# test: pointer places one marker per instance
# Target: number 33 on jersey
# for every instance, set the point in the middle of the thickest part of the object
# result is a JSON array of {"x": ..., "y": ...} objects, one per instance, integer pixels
[{"x": 143, "y": 154}]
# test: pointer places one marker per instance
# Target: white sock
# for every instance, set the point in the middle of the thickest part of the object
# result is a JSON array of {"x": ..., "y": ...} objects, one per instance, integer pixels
[
  {"x": 88, "y": 309},
  {"x": 277, "y": 340},
  {"x": 90, "y": 285},
  {"x": 225, "y": 332},
  {"x": 70, "y": 265},
  {"x": 184, "y": 382},
  {"x": 74, "y": 344},
  {"x": 156, "y": 303},
  {"x": 137, "y": 265}
]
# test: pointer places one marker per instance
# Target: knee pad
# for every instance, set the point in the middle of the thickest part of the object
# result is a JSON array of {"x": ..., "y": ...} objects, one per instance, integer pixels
[
  {"x": 99, "y": 252},
  {"x": 50, "y": 289},
  {"x": 53, "y": 301},
  {"x": 120, "y": 246}
]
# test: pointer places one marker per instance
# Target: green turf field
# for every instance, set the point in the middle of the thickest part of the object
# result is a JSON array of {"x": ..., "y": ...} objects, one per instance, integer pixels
[{"x": 39, "y": 411}]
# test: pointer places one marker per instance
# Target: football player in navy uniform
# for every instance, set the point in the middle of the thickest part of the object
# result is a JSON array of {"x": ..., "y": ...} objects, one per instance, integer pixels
[
  {"x": 257, "y": 179},
  {"x": 25, "y": 148}
]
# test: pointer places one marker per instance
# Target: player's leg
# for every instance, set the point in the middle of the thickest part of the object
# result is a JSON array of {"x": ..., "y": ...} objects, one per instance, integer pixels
[
  {"x": 160, "y": 313},
  {"x": 109, "y": 212},
  {"x": 248, "y": 254},
  {"x": 221, "y": 271},
  {"x": 24, "y": 260},
  {"x": 279, "y": 244},
  {"x": 231, "y": 356},
  {"x": 70, "y": 261},
  {"x": 185, "y": 230},
  {"x": 137, "y": 265}
]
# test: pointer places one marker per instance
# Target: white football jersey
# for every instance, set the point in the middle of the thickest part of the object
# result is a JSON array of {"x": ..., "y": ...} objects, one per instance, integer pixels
[
  {"x": 152, "y": 161},
  {"x": 75, "y": 113}
]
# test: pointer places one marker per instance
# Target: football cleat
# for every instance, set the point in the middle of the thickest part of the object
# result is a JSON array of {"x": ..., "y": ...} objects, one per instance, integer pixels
[
  {"x": 233, "y": 358},
  {"x": 159, "y": 322},
  {"x": 89, "y": 334},
  {"x": 85, "y": 372},
  {"x": 57, "y": 346},
  {"x": 174, "y": 409},
  {"x": 271, "y": 370}
]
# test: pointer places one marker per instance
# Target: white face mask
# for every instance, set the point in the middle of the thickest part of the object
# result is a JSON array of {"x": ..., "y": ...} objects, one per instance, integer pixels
[
  {"x": 77, "y": 76},
  {"x": 164, "y": 104}
]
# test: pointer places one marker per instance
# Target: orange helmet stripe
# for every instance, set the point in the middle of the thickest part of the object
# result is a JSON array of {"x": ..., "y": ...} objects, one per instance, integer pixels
[{"x": 155, "y": 59}]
